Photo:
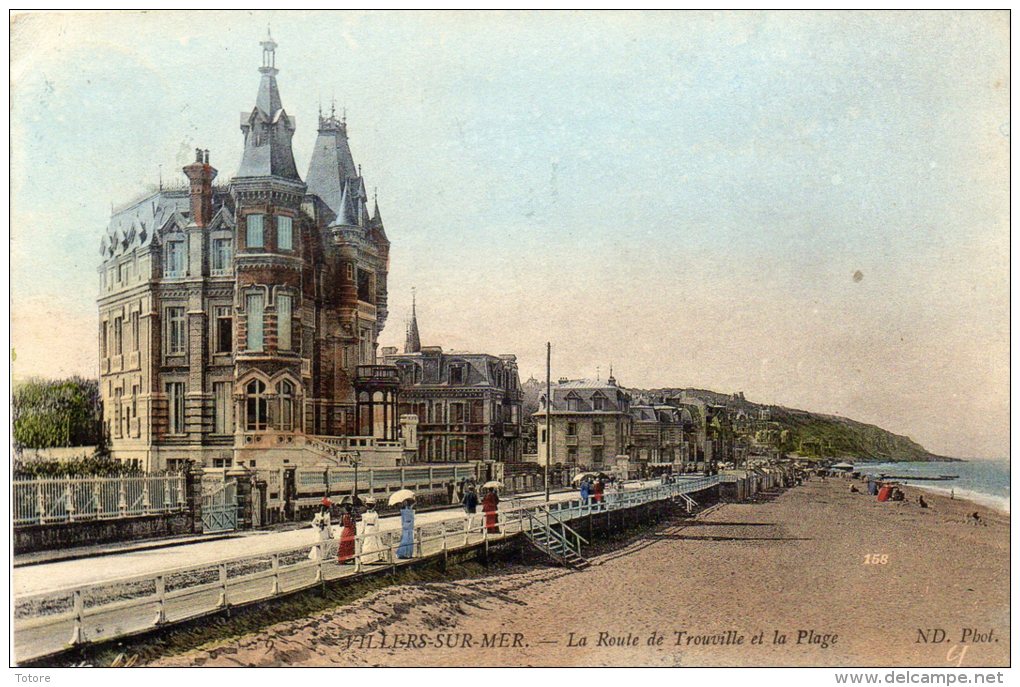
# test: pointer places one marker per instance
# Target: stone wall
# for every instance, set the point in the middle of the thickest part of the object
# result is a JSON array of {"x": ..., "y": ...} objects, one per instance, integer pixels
[{"x": 84, "y": 533}]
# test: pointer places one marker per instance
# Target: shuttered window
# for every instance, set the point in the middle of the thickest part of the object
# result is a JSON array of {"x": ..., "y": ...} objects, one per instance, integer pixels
[
  {"x": 285, "y": 233},
  {"x": 255, "y": 309},
  {"x": 256, "y": 226},
  {"x": 283, "y": 316}
]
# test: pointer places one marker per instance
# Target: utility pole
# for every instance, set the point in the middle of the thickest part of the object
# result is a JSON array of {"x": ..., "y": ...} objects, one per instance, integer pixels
[{"x": 548, "y": 414}]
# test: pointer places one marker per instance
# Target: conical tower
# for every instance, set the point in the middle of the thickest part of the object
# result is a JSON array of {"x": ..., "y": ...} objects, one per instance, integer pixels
[
  {"x": 271, "y": 233},
  {"x": 267, "y": 128}
]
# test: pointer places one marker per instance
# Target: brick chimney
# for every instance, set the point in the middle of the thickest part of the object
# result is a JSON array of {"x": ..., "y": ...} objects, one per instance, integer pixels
[{"x": 201, "y": 176}]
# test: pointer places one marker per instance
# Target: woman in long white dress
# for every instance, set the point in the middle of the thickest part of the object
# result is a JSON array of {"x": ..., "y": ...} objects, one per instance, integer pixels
[
  {"x": 371, "y": 546},
  {"x": 321, "y": 523}
]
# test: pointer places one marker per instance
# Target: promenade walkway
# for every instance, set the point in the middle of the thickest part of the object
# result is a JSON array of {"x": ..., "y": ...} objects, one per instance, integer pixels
[
  {"x": 62, "y": 604},
  {"x": 43, "y": 577}
]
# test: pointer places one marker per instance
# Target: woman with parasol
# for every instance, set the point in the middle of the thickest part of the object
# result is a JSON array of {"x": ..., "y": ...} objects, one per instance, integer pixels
[
  {"x": 490, "y": 506},
  {"x": 406, "y": 498},
  {"x": 585, "y": 490},
  {"x": 324, "y": 531}
]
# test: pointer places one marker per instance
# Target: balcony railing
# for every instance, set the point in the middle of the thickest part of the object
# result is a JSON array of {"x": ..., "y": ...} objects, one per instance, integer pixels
[{"x": 377, "y": 373}]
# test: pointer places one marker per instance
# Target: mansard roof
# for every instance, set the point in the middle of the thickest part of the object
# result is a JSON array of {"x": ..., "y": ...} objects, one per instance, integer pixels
[
  {"x": 332, "y": 164},
  {"x": 136, "y": 224},
  {"x": 480, "y": 369},
  {"x": 617, "y": 400}
]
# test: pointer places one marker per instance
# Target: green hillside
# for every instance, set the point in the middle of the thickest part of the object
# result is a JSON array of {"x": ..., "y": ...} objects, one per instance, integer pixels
[{"x": 815, "y": 434}]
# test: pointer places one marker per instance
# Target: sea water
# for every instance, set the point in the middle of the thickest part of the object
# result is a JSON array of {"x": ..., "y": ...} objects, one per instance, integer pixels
[{"x": 981, "y": 481}]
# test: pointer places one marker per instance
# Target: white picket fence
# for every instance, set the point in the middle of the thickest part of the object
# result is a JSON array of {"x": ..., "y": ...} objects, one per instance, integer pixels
[{"x": 70, "y": 499}]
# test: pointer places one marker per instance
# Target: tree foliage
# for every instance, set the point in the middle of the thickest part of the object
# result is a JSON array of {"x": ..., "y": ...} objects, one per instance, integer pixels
[
  {"x": 62, "y": 412},
  {"x": 84, "y": 466}
]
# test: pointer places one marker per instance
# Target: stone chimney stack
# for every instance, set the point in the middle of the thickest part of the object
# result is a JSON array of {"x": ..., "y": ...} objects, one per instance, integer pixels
[{"x": 201, "y": 176}]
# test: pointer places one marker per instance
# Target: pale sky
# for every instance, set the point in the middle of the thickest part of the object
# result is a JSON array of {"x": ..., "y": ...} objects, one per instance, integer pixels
[{"x": 686, "y": 196}]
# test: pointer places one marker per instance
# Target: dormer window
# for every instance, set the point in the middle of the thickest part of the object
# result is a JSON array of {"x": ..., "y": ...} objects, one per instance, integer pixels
[
  {"x": 406, "y": 373},
  {"x": 572, "y": 403},
  {"x": 598, "y": 403},
  {"x": 174, "y": 259},
  {"x": 457, "y": 374},
  {"x": 221, "y": 258}
]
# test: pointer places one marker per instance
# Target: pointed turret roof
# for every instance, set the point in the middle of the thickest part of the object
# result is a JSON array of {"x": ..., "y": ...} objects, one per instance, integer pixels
[
  {"x": 268, "y": 129},
  {"x": 413, "y": 342},
  {"x": 332, "y": 163}
]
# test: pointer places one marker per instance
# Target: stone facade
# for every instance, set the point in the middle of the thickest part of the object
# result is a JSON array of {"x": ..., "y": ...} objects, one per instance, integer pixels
[
  {"x": 238, "y": 323},
  {"x": 467, "y": 405},
  {"x": 591, "y": 424}
]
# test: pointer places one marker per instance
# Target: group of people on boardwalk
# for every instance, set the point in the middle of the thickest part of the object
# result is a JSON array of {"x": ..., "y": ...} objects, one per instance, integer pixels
[
  {"x": 593, "y": 489},
  {"x": 371, "y": 543},
  {"x": 490, "y": 506},
  {"x": 371, "y": 540}
]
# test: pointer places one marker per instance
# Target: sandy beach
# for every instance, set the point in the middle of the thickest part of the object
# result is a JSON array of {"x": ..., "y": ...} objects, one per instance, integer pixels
[{"x": 814, "y": 575}]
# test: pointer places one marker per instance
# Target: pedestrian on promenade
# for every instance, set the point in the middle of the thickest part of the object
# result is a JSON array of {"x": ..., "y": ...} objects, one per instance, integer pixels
[
  {"x": 470, "y": 506},
  {"x": 371, "y": 546},
  {"x": 490, "y": 506},
  {"x": 600, "y": 489},
  {"x": 323, "y": 530},
  {"x": 585, "y": 490},
  {"x": 406, "y": 548},
  {"x": 451, "y": 492},
  {"x": 345, "y": 556}
]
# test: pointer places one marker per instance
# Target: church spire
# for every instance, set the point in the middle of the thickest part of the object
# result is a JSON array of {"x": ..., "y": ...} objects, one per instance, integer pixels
[
  {"x": 267, "y": 128},
  {"x": 413, "y": 342}
]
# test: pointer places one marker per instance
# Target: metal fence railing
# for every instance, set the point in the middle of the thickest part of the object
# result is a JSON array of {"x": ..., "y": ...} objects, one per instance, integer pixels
[
  {"x": 50, "y": 621},
  {"x": 69, "y": 499},
  {"x": 380, "y": 480}
]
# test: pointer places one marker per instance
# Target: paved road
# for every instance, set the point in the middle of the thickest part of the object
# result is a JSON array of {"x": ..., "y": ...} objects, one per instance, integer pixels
[{"x": 61, "y": 574}]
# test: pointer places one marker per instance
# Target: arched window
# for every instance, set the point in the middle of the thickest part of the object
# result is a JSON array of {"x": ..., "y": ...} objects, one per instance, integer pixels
[
  {"x": 285, "y": 391},
  {"x": 256, "y": 405}
]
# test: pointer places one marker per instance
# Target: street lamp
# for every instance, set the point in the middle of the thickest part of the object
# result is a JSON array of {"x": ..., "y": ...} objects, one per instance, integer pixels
[
  {"x": 355, "y": 461},
  {"x": 548, "y": 414}
]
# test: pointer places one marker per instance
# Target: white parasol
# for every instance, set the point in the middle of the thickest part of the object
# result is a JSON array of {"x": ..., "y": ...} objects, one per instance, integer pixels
[
  {"x": 582, "y": 475},
  {"x": 400, "y": 496},
  {"x": 492, "y": 484}
]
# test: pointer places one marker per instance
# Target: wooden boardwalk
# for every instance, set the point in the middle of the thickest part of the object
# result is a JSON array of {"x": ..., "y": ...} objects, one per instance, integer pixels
[{"x": 52, "y": 621}]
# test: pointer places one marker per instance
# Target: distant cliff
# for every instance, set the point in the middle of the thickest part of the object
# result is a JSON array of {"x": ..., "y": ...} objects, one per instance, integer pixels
[{"x": 817, "y": 434}]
